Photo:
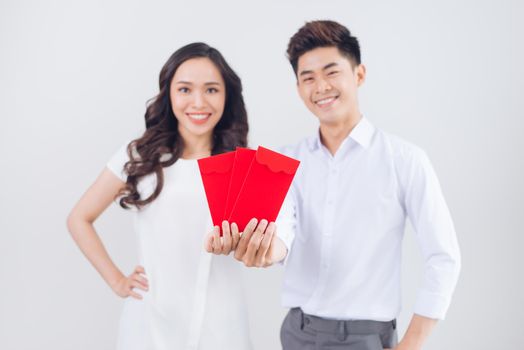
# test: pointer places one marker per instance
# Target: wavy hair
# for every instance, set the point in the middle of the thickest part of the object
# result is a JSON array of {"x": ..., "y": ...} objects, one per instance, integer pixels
[{"x": 161, "y": 144}]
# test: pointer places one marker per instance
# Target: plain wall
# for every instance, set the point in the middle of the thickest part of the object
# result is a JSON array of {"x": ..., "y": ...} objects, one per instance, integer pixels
[{"x": 75, "y": 77}]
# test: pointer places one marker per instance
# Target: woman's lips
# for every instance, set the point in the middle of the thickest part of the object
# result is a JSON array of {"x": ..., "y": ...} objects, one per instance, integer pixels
[{"x": 198, "y": 118}]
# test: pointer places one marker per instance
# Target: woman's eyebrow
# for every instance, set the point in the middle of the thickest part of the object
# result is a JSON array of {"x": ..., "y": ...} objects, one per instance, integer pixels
[{"x": 190, "y": 83}]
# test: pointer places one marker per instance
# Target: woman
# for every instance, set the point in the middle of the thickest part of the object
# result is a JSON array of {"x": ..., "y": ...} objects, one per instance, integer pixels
[{"x": 182, "y": 297}]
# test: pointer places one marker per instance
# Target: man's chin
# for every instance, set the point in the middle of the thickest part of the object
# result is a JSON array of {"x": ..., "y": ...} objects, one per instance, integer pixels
[{"x": 329, "y": 119}]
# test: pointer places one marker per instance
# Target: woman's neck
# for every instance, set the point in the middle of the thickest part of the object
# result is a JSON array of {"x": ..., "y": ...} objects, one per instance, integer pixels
[{"x": 196, "y": 146}]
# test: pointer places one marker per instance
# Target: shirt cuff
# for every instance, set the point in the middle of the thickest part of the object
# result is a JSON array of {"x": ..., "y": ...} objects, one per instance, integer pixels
[
  {"x": 287, "y": 238},
  {"x": 431, "y": 305}
]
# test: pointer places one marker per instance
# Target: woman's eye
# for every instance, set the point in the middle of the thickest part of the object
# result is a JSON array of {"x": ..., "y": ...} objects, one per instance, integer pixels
[
  {"x": 212, "y": 90},
  {"x": 183, "y": 90}
]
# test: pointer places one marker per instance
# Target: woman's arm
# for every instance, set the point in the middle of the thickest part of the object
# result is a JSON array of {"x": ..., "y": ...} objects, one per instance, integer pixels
[{"x": 80, "y": 224}]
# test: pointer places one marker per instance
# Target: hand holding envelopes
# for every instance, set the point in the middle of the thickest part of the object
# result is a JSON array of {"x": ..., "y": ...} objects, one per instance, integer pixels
[{"x": 251, "y": 184}]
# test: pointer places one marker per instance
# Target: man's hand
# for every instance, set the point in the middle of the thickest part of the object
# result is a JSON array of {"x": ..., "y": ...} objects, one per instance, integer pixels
[
  {"x": 225, "y": 244},
  {"x": 419, "y": 329},
  {"x": 259, "y": 245}
]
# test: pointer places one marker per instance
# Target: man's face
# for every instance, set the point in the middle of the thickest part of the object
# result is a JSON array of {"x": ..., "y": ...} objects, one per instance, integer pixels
[{"x": 327, "y": 83}]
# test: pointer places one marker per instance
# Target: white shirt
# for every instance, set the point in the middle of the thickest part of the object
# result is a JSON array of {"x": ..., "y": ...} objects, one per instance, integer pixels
[
  {"x": 343, "y": 222},
  {"x": 195, "y": 300}
]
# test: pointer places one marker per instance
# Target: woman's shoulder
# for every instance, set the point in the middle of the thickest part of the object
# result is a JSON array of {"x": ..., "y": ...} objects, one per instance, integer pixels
[{"x": 121, "y": 156}]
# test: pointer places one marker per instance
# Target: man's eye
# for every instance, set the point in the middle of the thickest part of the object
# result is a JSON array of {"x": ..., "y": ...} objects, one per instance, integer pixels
[
  {"x": 333, "y": 72},
  {"x": 307, "y": 80}
]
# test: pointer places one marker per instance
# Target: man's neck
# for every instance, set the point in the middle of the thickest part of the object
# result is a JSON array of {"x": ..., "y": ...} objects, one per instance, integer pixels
[{"x": 332, "y": 135}]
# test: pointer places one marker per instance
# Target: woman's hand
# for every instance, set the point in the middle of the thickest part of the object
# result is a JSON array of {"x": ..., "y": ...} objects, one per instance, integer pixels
[
  {"x": 225, "y": 244},
  {"x": 125, "y": 285}
]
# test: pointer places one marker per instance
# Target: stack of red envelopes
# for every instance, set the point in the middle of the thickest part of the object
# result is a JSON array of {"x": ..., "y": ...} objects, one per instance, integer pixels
[{"x": 246, "y": 184}]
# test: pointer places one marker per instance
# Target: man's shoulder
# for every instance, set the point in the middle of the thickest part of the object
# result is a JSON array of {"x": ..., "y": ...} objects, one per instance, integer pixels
[
  {"x": 397, "y": 146},
  {"x": 295, "y": 150}
]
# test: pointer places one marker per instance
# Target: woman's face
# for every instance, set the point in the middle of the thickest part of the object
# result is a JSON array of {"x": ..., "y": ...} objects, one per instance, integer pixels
[{"x": 198, "y": 96}]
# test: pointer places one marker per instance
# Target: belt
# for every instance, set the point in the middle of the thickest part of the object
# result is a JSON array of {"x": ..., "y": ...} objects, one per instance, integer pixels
[{"x": 341, "y": 327}]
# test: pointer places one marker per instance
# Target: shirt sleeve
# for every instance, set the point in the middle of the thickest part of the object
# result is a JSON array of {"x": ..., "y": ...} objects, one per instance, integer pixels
[
  {"x": 286, "y": 222},
  {"x": 435, "y": 234},
  {"x": 117, "y": 162}
]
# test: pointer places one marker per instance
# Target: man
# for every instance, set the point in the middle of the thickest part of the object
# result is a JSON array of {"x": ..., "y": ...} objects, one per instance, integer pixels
[{"x": 341, "y": 227}]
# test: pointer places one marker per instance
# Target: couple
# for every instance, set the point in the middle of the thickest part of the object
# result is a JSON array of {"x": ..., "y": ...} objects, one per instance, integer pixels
[{"x": 339, "y": 232}]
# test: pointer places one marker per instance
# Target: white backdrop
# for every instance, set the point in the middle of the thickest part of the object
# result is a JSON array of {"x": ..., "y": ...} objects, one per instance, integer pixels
[{"x": 74, "y": 79}]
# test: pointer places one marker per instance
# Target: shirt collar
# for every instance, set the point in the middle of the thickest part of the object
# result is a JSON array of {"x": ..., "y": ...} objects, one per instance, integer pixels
[{"x": 362, "y": 134}]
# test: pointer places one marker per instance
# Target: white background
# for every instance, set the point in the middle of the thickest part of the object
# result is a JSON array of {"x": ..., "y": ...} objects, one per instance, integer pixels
[{"x": 74, "y": 79}]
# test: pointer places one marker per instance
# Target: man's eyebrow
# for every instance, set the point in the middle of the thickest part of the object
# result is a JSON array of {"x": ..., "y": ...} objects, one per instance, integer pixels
[
  {"x": 327, "y": 66},
  {"x": 304, "y": 72}
]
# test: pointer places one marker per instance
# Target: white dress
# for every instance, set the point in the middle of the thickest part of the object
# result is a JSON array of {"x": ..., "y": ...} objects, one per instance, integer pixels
[{"x": 195, "y": 300}]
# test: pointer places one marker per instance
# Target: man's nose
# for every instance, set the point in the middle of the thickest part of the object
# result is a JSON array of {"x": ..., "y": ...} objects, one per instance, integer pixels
[{"x": 323, "y": 86}]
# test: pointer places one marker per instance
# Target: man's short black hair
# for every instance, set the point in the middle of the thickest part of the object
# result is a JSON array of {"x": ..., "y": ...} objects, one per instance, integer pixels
[{"x": 317, "y": 34}]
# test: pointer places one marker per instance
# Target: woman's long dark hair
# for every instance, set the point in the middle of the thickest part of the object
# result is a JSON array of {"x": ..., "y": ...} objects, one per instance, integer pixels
[{"x": 161, "y": 144}]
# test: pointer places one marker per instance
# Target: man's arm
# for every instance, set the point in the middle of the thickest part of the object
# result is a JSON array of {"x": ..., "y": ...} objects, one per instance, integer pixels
[
  {"x": 436, "y": 237},
  {"x": 435, "y": 233}
]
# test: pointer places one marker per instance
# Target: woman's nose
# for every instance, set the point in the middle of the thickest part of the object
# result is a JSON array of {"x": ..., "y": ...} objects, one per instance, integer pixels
[{"x": 199, "y": 100}]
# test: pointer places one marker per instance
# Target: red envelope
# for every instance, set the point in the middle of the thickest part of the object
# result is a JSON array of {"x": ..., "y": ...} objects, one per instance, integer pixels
[
  {"x": 216, "y": 174},
  {"x": 243, "y": 159},
  {"x": 264, "y": 188}
]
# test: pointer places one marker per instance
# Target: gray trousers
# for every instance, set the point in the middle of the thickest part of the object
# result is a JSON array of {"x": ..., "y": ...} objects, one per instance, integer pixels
[{"x": 305, "y": 332}]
